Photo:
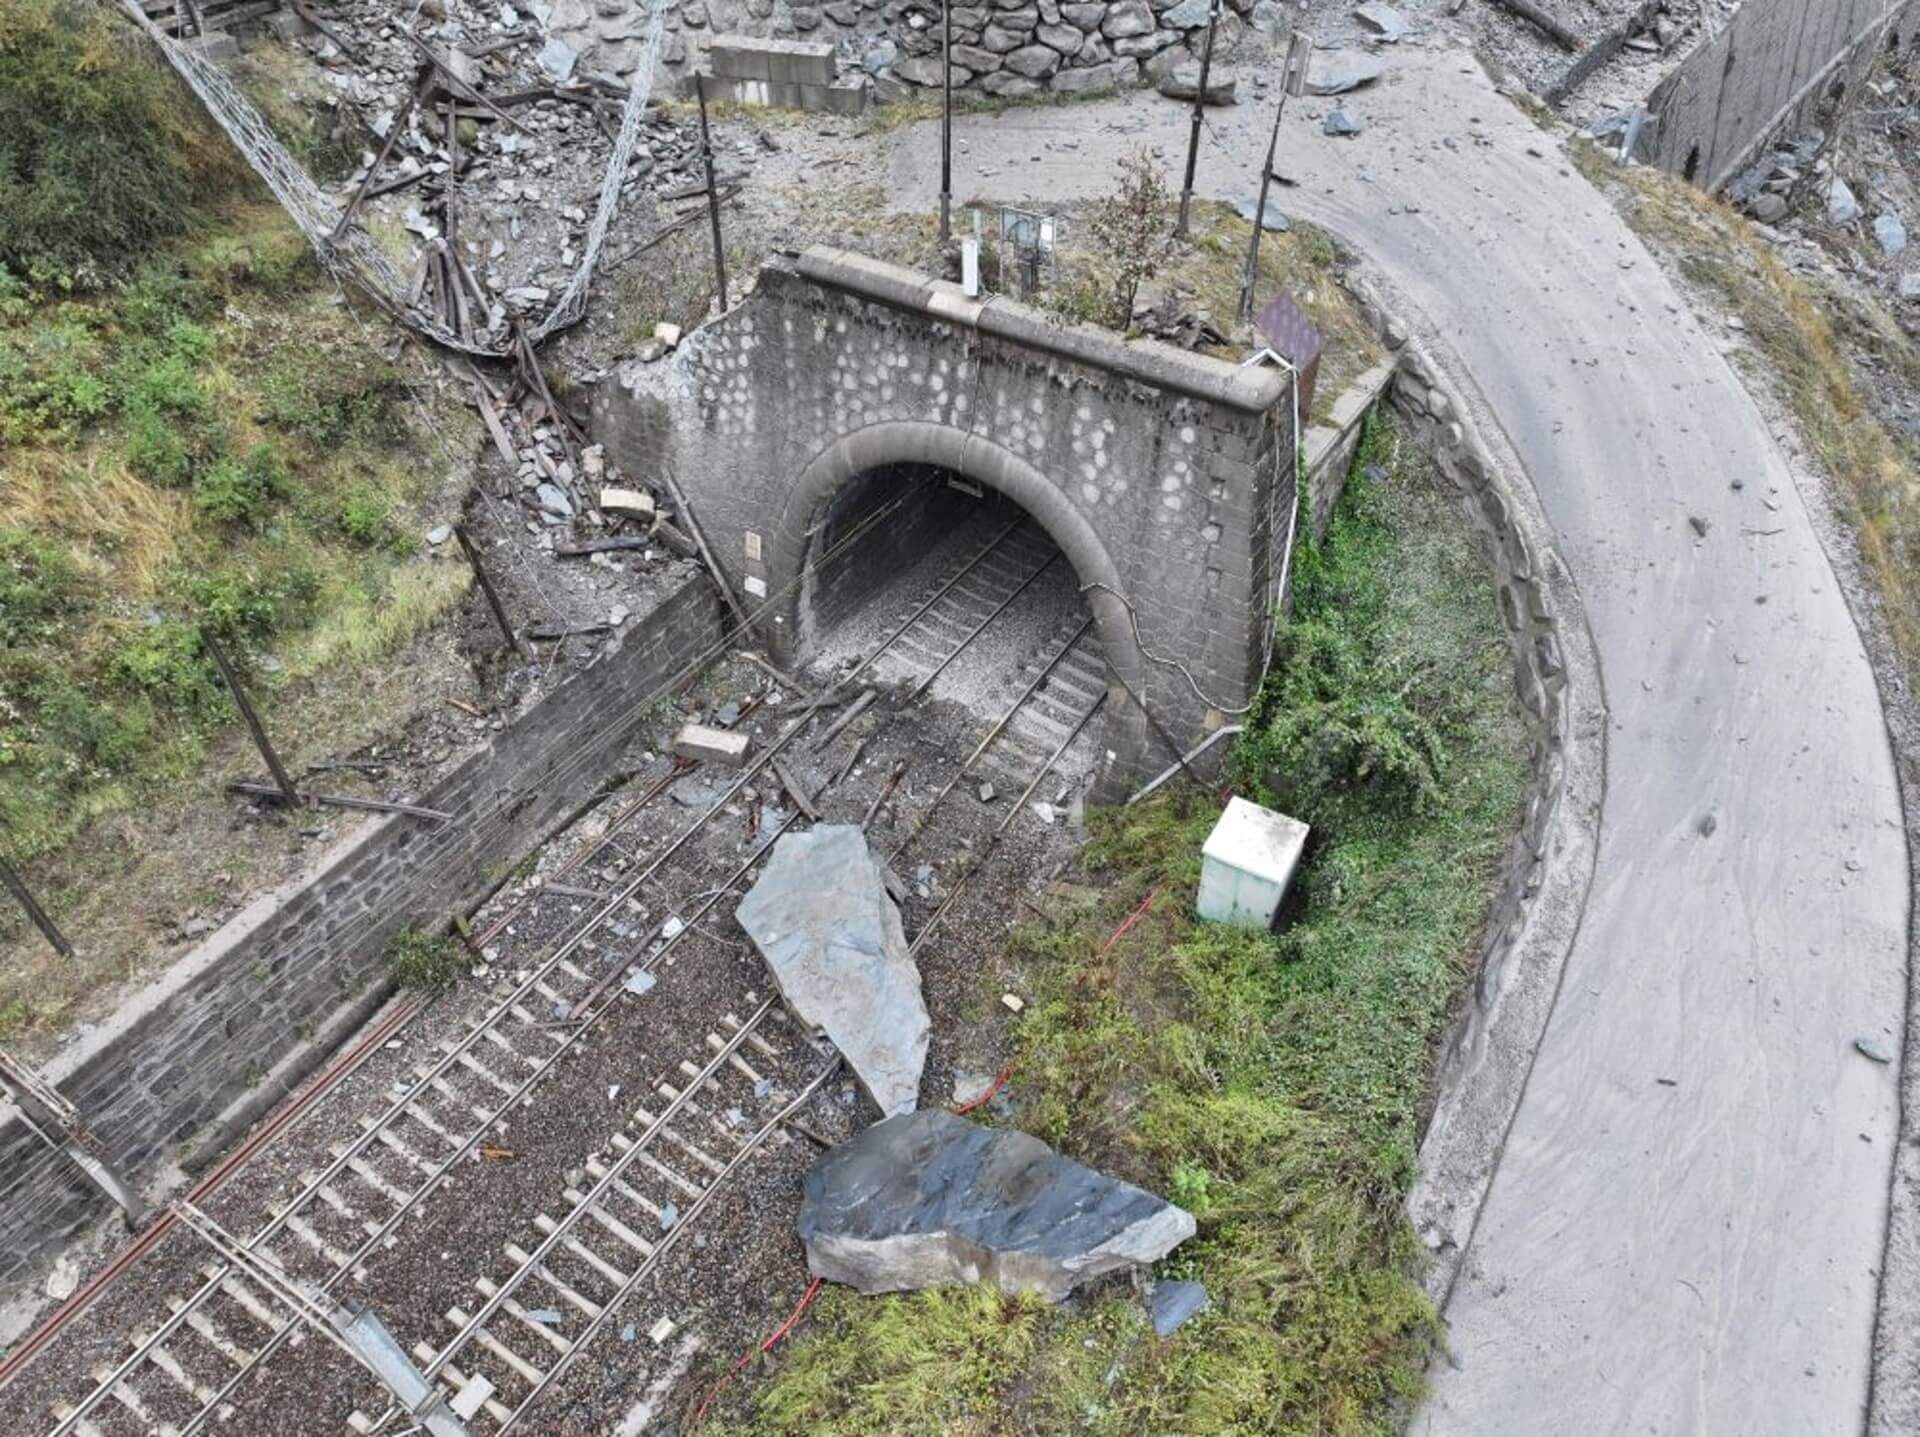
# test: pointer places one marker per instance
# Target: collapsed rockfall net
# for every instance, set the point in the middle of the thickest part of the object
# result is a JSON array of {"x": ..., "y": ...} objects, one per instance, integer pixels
[{"x": 352, "y": 255}]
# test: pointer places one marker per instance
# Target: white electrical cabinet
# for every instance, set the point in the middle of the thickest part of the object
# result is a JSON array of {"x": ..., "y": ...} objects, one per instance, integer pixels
[{"x": 1247, "y": 863}]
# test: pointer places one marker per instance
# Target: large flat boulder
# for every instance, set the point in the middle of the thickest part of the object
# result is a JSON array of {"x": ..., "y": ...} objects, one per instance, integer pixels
[
  {"x": 821, "y": 917},
  {"x": 929, "y": 1198}
]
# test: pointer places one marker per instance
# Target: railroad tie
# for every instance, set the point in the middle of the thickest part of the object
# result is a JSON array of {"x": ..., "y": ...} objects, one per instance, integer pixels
[
  {"x": 532, "y": 1375},
  {"x": 523, "y": 1258},
  {"x": 592, "y": 1259}
]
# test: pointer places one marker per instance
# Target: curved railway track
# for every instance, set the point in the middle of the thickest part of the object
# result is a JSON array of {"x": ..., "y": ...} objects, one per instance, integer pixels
[{"x": 606, "y": 1239}]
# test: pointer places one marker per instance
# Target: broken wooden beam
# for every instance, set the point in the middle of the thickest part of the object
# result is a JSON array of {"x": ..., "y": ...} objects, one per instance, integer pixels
[
  {"x": 802, "y": 800},
  {"x": 602, "y": 546},
  {"x": 706, "y": 744},
  {"x": 1546, "y": 23},
  {"x": 341, "y": 800},
  {"x": 550, "y": 633},
  {"x": 838, "y": 726}
]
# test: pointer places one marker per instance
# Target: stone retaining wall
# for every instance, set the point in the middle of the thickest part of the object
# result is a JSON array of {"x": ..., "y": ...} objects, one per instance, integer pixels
[
  {"x": 187, "y": 1060},
  {"x": 1005, "y": 48}
]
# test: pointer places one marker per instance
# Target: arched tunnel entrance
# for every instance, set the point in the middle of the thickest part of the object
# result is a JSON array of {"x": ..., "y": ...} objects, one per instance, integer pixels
[{"x": 948, "y": 591}]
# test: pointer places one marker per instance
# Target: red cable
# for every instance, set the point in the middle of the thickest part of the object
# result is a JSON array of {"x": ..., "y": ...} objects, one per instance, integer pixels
[
  {"x": 1132, "y": 918},
  {"x": 766, "y": 1344}
]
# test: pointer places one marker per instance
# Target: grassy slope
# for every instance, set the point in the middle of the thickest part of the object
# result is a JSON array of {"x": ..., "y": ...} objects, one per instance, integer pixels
[
  {"x": 1270, "y": 1083},
  {"x": 195, "y": 434}
]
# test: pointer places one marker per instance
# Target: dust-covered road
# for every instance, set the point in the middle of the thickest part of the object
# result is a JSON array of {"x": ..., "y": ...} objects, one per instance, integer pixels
[{"x": 1683, "y": 1231}]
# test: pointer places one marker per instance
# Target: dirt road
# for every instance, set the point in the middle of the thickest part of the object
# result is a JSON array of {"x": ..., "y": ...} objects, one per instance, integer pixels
[{"x": 1684, "y": 1229}]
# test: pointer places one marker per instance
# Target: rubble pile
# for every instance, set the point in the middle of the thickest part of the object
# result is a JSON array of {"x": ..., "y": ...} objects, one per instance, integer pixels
[
  {"x": 1850, "y": 198},
  {"x": 502, "y": 143}
]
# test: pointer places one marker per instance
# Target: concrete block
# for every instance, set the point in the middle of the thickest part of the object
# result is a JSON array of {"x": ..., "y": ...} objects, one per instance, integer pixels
[
  {"x": 801, "y": 62},
  {"x": 847, "y": 97},
  {"x": 1247, "y": 864},
  {"x": 712, "y": 745},
  {"x": 738, "y": 57}
]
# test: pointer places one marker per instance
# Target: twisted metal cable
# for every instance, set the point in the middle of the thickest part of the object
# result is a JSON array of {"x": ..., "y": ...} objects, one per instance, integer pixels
[{"x": 354, "y": 256}]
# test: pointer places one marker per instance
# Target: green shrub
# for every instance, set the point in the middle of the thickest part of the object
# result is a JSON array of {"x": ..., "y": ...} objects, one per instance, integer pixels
[
  {"x": 166, "y": 662},
  {"x": 37, "y": 584},
  {"x": 49, "y": 387},
  {"x": 102, "y": 152},
  {"x": 366, "y": 517},
  {"x": 424, "y": 962},
  {"x": 233, "y": 491},
  {"x": 245, "y": 599},
  {"x": 329, "y": 405}
]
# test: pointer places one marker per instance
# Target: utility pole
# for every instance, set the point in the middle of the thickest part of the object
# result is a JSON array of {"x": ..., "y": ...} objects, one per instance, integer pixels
[
  {"x": 1199, "y": 104},
  {"x": 1293, "y": 82},
  {"x": 17, "y": 886},
  {"x": 946, "y": 120},
  {"x": 280, "y": 779},
  {"x": 713, "y": 193},
  {"x": 486, "y": 587}
]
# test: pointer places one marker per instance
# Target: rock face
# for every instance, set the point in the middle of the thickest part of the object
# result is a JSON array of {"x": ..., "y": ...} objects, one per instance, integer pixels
[
  {"x": 929, "y": 1198},
  {"x": 821, "y": 917},
  {"x": 1001, "y": 47}
]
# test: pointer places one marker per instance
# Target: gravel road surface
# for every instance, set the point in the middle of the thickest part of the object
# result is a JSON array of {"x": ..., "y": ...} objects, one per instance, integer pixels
[{"x": 1685, "y": 1226}]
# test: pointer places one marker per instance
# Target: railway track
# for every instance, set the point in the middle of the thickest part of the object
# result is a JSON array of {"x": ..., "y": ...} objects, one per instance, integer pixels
[{"x": 605, "y": 1242}]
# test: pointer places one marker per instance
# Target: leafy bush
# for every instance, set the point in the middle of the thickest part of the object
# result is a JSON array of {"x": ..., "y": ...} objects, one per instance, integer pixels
[
  {"x": 233, "y": 491},
  {"x": 102, "y": 153},
  {"x": 330, "y": 405},
  {"x": 166, "y": 662},
  {"x": 37, "y": 583},
  {"x": 366, "y": 517},
  {"x": 424, "y": 962},
  {"x": 1132, "y": 230}
]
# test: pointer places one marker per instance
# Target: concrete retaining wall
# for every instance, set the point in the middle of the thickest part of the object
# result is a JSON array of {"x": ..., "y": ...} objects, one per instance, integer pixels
[
  {"x": 185, "y": 1061},
  {"x": 1771, "y": 64}
]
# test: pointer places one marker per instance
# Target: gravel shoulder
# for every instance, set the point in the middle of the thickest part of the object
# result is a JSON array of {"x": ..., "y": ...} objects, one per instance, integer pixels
[{"x": 1686, "y": 1226}]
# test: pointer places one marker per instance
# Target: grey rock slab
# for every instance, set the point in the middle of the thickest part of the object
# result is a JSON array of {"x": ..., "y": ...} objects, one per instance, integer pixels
[
  {"x": 928, "y": 1198},
  {"x": 821, "y": 917},
  {"x": 1183, "y": 83},
  {"x": 1910, "y": 285},
  {"x": 1842, "y": 207},
  {"x": 557, "y": 59},
  {"x": 1036, "y": 62},
  {"x": 1273, "y": 221},
  {"x": 1187, "y": 15},
  {"x": 1174, "y": 1304},
  {"x": 1890, "y": 232},
  {"x": 1334, "y": 72},
  {"x": 1339, "y": 122},
  {"x": 1384, "y": 20},
  {"x": 1127, "y": 18}
]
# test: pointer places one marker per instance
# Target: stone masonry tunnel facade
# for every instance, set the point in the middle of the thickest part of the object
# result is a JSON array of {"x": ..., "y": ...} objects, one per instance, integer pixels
[{"x": 1165, "y": 478}]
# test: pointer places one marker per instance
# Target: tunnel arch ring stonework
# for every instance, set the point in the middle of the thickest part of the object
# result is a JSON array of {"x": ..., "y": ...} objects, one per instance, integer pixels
[
  {"x": 1161, "y": 475},
  {"x": 941, "y": 446}
]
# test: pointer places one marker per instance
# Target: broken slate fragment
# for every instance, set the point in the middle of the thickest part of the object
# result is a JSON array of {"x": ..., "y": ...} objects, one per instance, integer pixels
[
  {"x": 1388, "y": 22},
  {"x": 928, "y": 1198},
  {"x": 1334, "y": 72},
  {"x": 1273, "y": 221},
  {"x": 1182, "y": 82},
  {"x": 1890, "y": 232},
  {"x": 821, "y": 917},
  {"x": 1174, "y": 1304},
  {"x": 557, "y": 59},
  {"x": 1339, "y": 122}
]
